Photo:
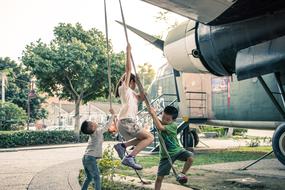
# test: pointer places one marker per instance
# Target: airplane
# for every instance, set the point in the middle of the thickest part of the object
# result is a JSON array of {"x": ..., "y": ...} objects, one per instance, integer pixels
[{"x": 236, "y": 39}]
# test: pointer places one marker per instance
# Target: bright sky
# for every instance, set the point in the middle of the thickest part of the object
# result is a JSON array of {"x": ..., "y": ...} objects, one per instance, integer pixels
[{"x": 25, "y": 21}]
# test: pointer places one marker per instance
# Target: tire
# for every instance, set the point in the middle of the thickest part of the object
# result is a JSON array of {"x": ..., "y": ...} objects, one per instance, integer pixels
[
  {"x": 192, "y": 140},
  {"x": 278, "y": 143}
]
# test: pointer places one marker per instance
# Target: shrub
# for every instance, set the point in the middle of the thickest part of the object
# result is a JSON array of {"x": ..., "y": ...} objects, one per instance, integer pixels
[
  {"x": 107, "y": 166},
  {"x": 239, "y": 132},
  {"x": 220, "y": 130},
  {"x": 254, "y": 142},
  {"x": 12, "y": 117},
  {"x": 11, "y": 139},
  {"x": 29, "y": 138}
]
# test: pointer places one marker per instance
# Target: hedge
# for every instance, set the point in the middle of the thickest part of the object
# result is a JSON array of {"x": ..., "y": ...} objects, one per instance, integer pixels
[
  {"x": 222, "y": 130},
  {"x": 31, "y": 138}
]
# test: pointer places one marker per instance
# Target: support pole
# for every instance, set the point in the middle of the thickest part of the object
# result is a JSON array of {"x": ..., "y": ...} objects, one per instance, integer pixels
[
  {"x": 259, "y": 159},
  {"x": 273, "y": 99}
]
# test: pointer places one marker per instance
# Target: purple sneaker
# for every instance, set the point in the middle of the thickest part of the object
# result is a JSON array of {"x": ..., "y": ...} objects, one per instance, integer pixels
[
  {"x": 130, "y": 161},
  {"x": 120, "y": 150}
]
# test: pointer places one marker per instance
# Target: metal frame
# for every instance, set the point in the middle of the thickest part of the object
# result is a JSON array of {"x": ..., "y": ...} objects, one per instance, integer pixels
[
  {"x": 270, "y": 94},
  {"x": 276, "y": 104}
]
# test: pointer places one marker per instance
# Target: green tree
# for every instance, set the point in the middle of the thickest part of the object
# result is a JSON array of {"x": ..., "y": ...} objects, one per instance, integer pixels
[
  {"x": 170, "y": 20},
  {"x": 18, "y": 88},
  {"x": 12, "y": 117},
  {"x": 146, "y": 73},
  {"x": 73, "y": 65}
]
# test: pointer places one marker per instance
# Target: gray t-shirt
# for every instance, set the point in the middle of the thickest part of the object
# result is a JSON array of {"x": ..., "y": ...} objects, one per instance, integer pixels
[{"x": 94, "y": 147}]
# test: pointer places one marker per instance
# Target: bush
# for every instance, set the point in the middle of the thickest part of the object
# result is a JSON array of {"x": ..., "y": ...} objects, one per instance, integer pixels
[
  {"x": 220, "y": 130},
  {"x": 107, "y": 166},
  {"x": 29, "y": 138},
  {"x": 239, "y": 132},
  {"x": 12, "y": 117}
]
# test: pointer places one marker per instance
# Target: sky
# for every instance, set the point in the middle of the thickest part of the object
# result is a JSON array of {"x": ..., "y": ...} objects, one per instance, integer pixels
[{"x": 25, "y": 21}]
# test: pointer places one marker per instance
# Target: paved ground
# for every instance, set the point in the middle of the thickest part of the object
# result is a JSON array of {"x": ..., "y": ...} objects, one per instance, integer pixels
[
  {"x": 18, "y": 168},
  {"x": 44, "y": 168},
  {"x": 25, "y": 167},
  {"x": 267, "y": 167},
  {"x": 260, "y": 133}
]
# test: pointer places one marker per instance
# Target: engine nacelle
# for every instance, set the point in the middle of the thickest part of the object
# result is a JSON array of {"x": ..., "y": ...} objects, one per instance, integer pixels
[
  {"x": 181, "y": 50},
  {"x": 230, "y": 48}
]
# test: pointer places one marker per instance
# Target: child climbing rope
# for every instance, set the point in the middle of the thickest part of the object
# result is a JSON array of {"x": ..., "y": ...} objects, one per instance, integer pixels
[
  {"x": 168, "y": 131},
  {"x": 127, "y": 124}
]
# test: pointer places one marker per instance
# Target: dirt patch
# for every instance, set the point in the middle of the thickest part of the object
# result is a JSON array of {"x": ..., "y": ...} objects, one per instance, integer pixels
[{"x": 211, "y": 180}]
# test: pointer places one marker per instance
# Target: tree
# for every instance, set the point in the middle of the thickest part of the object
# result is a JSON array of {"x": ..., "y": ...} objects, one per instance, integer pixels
[
  {"x": 73, "y": 66},
  {"x": 146, "y": 73},
  {"x": 18, "y": 88},
  {"x": 12, "y": 117},
  {"x": 170, "y": 20}
]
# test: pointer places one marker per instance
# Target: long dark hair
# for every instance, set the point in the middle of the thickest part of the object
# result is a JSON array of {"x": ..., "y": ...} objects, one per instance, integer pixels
[{"x": 133, "y": 77}]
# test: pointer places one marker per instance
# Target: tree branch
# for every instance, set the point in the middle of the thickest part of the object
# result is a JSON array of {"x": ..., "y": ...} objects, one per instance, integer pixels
[
  {"x": 71, "y": 86},
  {"x": 89, "y": 94}
]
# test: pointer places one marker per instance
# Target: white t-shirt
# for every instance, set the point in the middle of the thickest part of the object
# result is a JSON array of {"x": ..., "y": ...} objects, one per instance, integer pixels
[
  {"x": 96, "y": 139},
  {"x": 129, "y": 102}
]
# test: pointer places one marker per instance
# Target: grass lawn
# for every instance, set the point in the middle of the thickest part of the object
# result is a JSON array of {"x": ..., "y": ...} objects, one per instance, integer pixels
[
  {"x": 150, "y": 163},
  {"x": 207, "y": 157}
]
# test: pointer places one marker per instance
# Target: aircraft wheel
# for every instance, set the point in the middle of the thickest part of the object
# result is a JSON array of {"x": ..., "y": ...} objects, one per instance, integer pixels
[
  {"x": 192, "y": 139},
  {"x": 278, "y": 143}
]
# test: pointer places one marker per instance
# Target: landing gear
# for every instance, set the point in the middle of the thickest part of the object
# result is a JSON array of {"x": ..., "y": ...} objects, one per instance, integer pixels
[
  {"x": 278, "y": 143},
  {"x": 278, "y": 140},
  {"x": 189, "y": 138}
]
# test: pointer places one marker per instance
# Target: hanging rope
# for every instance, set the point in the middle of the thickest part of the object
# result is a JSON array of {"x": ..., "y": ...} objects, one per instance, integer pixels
[
  {"x": 109, "y": 75},
  {"x": 141, "y": 90},
  {"x": 140, "y": 87},
  {"x": 108, "y": 54}
]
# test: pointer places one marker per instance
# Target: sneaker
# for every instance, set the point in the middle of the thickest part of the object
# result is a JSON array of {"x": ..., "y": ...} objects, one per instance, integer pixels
[
  {"x": 120, "y": 150},
  {"x": 130, "y": 161},
  {"x": 182, "y": 178}
]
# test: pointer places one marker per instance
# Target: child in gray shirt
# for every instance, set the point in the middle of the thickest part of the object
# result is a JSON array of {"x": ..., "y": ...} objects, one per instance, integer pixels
[{"x": 94, "y": 150}]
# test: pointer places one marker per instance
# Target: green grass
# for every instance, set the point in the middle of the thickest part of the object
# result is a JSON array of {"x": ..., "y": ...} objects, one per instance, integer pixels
[
  {"x": 212, "y": 157},
  {"x": 205, "y": 157}
]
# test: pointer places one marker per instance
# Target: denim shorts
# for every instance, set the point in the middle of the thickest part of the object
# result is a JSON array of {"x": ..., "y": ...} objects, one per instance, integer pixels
[{"x": 128, "y": 128}]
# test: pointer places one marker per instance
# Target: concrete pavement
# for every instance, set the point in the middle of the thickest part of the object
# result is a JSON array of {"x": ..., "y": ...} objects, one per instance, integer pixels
[
  {"x": 19, "y": 168},
  {"x": 46, "y": 168},
  {"x": 24, "y": 167},
  {"x": 264, "y": 168}
]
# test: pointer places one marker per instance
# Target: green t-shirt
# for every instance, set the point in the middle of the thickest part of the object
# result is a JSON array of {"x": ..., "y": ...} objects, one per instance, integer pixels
[{"x": 169, "y": 136}]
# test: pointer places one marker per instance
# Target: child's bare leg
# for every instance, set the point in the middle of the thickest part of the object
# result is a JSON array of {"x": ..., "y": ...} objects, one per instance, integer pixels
[
  {"x": 158, "y": 182},
  {"x": 187, "y": 165},
  {"x": 145, "y": 138},
  {"x": 132, "y": 142}
]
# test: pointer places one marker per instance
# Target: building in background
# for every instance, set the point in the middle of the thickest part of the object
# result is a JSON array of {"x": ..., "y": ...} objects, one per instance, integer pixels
[{"x": 61, "y": 113}]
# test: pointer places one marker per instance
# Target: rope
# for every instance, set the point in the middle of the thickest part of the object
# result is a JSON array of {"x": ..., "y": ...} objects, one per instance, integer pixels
[
  {"x": 140, "y": 87},
  {"x": 109, "y": 75},
  {"x": 141, "y": 90},
  {"x": 108, "y": 55}
]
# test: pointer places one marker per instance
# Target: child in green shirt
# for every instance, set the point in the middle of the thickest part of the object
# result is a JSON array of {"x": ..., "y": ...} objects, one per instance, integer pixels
[{"x": 168, "y": 131}]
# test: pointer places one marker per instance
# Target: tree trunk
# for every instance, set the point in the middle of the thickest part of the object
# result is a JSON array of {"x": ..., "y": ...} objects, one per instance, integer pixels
[{"x": 77, "y": 117}]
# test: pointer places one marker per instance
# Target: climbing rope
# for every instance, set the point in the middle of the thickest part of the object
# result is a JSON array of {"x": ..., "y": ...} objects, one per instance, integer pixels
[
  {"x": 108, "y": 54},
  {"x": 141, "y": 90},
  {"x": 109, "y": 75}
]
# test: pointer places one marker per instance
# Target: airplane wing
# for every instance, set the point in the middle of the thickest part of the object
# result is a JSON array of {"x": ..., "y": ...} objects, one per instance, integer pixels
[{"x": 216, "y": 12}]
